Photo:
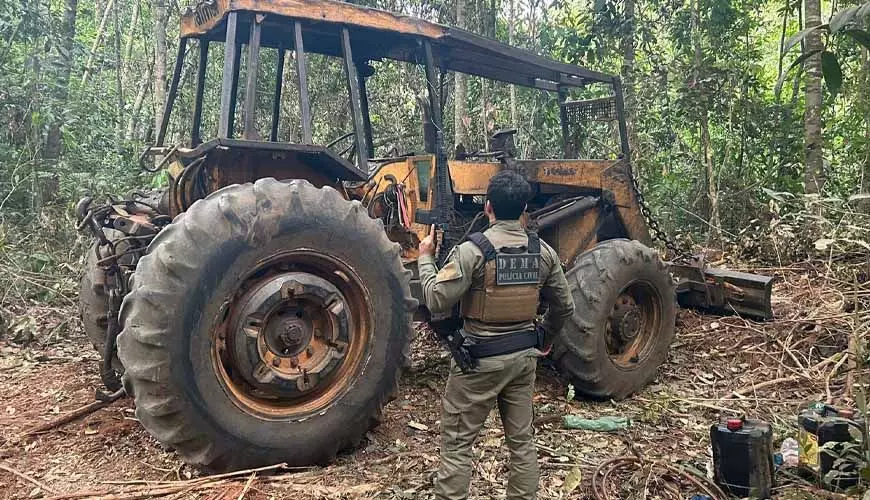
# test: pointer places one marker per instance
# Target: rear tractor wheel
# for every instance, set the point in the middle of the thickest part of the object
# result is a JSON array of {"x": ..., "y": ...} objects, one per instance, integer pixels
[
  {"x": 256, "y": 333},
  {"x": 623, "y": 323},
  {"x": 93, "y": 296},
  {"x": 94, "y": 303}
]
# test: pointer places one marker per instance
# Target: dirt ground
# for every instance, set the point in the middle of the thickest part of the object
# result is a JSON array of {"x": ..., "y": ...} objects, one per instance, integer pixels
[{"x": 718, "y": 366}]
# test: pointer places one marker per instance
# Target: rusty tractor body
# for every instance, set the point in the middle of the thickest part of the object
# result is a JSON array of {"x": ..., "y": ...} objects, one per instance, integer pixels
[{"x": 259, "y": 309}]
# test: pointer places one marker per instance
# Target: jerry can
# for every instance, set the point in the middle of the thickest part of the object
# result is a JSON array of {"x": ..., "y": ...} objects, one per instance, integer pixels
[
  {"x": 829, "y": 445},
  {"x": 743, "y": 457}
]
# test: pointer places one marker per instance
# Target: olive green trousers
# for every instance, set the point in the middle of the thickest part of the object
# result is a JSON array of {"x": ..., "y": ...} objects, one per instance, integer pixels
[{"x": 467, "y": 401}]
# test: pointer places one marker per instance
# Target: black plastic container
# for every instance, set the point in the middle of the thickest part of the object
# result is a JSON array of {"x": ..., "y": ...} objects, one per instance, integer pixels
[
  {"x": 822, "y": 425},
  {"x": 743, "y": 457}
]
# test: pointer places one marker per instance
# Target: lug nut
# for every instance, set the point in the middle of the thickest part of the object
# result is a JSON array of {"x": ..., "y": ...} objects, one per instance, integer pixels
[{"x": 276, "y": 362}]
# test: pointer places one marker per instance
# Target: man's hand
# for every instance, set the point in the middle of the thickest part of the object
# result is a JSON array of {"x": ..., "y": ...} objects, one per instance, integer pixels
[{"x": 427, "y": 246}]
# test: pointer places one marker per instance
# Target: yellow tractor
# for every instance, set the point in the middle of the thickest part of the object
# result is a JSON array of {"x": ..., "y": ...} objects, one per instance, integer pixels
[{"x": 260, "y": 309}]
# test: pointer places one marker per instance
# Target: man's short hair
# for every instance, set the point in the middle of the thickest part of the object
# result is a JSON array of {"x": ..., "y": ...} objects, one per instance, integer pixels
[{"x": 508, "y": 192}]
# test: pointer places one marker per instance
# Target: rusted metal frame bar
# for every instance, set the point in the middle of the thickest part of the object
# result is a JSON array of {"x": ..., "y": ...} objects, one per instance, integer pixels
[
  {"x": 279, "y": 86},
  {"x": 234, "y": 90},
  {"x": 432, "y": 84},
  {"x": 253, "y": 63},
  {"x": 302, "y": 71},
  {"x": 195, "y": 132},
  {"x": 362, "y": 148},
  {"x": 620, "y": 117},
  {"x": 364, "y": 106},
  {"x": 442, "y": 88},
  {"x": 173, "y": 91},
  {"x": 563, "y": 119},
  {"x": 230, "y": 78}
]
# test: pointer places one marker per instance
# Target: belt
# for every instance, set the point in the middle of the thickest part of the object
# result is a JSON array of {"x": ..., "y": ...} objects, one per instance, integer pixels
[{"x": 503, "y": 344}]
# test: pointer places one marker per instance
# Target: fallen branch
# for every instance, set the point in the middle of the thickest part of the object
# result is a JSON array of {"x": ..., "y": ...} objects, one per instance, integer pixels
[
  {"x": 765, "y": 384},
  {"x": 138, "y": 493},
  {"x": 793, "y": 378},
  {"x": 27, "y": 478},
  {"x": 832, "y": 374},
  {"x": 76, "y": 414},
  {"x": 603, "y": 471},
  {"x": 161, "y": 488},
  {"x": 247, "y": 486},
  {"x": 690, "y": 403}
]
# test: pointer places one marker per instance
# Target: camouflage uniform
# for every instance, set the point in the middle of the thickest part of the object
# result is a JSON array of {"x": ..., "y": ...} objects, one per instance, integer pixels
[{"x": 505, "y": 380}]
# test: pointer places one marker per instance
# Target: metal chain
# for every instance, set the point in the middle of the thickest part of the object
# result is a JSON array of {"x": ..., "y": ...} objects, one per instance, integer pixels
[{"x": 657, "y": 232}]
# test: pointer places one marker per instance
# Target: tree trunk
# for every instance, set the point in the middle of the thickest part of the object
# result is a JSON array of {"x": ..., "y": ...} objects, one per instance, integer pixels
[
  {"x": 785, "y": 15},
  {"x": 814, "y": 175},
  {"x": 663, "y": 85},
  {"x": 100, "y": 30},
  {"x": 628, "y": 77},
  {"x": 864, "y": 204},
  {"x": 460, "y": 92},
  {"x": 487, "y": 18},
  {"x": 119, "y": 86},
  {"x": 512, "y": 26},
  {"x": 133, "y": 119},
  {"x": 159, "y": 12},
  {"x": 134, "y": 20},
  {"x": 60, "y": 89},
  {"x": 714, "y": 235},
  {"x": 530, "y": 149}
]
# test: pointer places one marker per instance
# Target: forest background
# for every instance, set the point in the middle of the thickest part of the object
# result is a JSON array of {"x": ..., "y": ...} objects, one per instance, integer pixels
[{"x": 750, "y": 130}]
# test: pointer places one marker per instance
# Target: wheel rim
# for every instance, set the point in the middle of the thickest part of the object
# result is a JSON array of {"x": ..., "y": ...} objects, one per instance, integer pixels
[
  {"x": 633, "y": 324},
  {"x": 294, "y": 335}
]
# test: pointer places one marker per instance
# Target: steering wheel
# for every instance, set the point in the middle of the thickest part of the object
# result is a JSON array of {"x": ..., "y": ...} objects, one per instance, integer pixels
[{"x": 348, "y": 152}]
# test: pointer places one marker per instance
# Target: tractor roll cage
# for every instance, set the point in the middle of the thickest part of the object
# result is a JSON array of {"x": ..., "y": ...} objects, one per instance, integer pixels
[{"x": 357, "y": 35}]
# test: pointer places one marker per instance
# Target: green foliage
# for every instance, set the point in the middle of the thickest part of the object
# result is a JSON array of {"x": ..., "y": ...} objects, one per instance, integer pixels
[
  {"x": 38, "y": 265},
  {"x": 832, "y": 72},
  {"x": 755, "y": 110},
  {"x": 849, "y": 22}
]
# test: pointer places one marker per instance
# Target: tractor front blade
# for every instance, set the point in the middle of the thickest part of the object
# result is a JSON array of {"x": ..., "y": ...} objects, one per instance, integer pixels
[{"x": 723, "y": 291}]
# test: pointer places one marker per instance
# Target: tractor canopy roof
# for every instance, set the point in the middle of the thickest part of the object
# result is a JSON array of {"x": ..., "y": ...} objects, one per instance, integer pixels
[{"x": 378, "y": 34}]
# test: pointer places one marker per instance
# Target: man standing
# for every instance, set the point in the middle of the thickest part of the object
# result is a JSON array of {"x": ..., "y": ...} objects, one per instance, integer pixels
[{"x": 498, "y": 279}]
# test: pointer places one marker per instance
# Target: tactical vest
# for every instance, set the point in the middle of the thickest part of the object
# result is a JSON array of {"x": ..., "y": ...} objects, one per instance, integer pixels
[{"x": 509, "y": 290}]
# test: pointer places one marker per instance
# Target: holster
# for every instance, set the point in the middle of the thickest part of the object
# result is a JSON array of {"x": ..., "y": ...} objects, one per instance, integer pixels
[{"x": 447, "y": 329}]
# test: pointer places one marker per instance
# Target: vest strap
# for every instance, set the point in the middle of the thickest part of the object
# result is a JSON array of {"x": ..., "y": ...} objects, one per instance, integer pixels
[
  {"x": 485, "y": 246},
  {"x": 534, "y": 243},
  {"x": 489, "y": 251}
]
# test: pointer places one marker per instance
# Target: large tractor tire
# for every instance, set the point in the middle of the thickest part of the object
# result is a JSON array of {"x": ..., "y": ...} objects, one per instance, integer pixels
[
  {"x": 93, "y": 299},
  {"x": 267, "y": 324},
  {"x": 623, "y": 322}
]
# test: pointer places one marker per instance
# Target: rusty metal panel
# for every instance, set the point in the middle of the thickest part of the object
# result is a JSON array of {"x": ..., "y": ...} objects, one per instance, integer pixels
[
  {"x": 205, "y": 16},
  {"x": 387, "y": 35},
  {"x": 573, "y": 236},
  {"x": 611, "y": 176},
  {"x": 471, "y": 177}
]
